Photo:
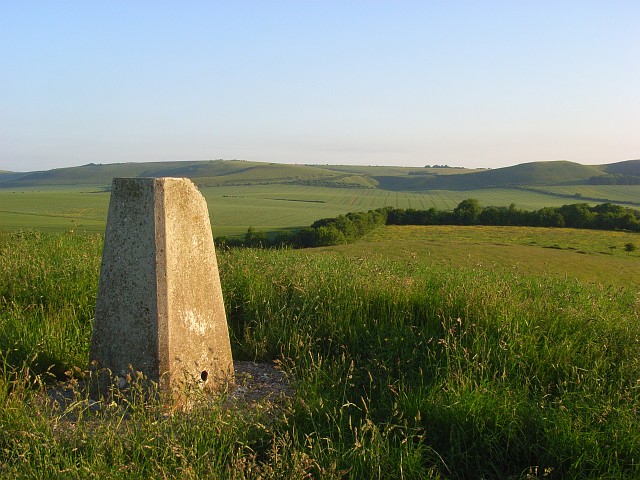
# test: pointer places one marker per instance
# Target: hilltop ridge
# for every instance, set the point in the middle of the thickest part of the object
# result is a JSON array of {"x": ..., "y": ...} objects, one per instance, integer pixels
[{"x": 242, "y": 172}]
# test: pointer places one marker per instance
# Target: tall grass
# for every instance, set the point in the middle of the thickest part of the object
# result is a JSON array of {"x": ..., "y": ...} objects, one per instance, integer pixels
[
  {"x": 474, "y": 373},
  {"x": 48, "y": 286},
  {"x": 399, "y": 370}
]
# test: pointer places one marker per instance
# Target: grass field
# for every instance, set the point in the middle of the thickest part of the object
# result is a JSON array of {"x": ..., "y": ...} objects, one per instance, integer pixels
[
  {"x": 57, "y": 209},
  {"x": 418, "y": 352},
  {"x": 595, "y": 257},
  {"x": 234, "y": 208}
]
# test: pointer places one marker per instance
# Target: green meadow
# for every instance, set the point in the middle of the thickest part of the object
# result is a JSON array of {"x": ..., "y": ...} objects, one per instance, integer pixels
[
  {"x": 417, "y": 352},
  {"x": 590, "y": 256}
]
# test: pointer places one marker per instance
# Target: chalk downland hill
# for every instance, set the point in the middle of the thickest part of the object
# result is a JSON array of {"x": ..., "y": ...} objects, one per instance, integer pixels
[{"x": 240, "y": 172}]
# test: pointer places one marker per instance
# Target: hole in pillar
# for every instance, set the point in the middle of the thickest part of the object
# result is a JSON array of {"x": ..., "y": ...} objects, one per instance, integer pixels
[{"x": 203, "y": 375}]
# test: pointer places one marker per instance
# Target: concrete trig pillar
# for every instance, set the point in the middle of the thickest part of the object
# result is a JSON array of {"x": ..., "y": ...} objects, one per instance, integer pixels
[{"x": 160, "y": 309}]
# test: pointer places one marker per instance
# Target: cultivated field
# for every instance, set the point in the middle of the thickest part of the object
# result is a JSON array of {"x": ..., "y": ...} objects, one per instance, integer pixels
[
  {"x": 270, "y": 197},
  {"x": 234, "y": 208},
  {"x": 418, "y": 352},
  {"x": 625, "y": 194}
]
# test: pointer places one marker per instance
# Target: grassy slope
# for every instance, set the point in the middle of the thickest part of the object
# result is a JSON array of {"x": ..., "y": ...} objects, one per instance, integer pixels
[
  {"x": 630, "y": 167},
  {"x": 266, "y": 173},
  {"x": 535, "y": 173},
  {"x": 102, "y": 174},
  {"x": 594, "y": 257},
  {"x": 538, "y": 173},
  {"x": 409, "y": 362},
  {"x": 6, "y": 176}
]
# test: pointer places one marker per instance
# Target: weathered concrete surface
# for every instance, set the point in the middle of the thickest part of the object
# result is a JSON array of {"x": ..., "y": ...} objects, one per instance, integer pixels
[{"x": 160, "y": 309}]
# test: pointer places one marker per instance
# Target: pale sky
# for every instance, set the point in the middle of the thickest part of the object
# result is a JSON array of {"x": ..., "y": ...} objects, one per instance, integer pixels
[{"x": 361, "y": 82}]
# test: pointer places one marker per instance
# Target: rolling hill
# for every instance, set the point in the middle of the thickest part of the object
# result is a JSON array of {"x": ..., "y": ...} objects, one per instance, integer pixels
[
  {"x": 630, "y": 167},
  {"x": 535, "y": 173},
  {"x": 239, "y": 172}
]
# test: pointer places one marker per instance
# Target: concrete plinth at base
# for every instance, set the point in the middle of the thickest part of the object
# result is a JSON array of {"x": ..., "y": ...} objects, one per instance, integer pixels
[{"x": 160, "y": 309}]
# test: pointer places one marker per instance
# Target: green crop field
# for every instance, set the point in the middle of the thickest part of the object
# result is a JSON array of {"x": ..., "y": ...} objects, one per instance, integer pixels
[
  {"x": 235, "y": 208},
  {"x": 417, "y": 352},
  {"x": 54, "y": 209},
  {"x": 612, "y": 193}
]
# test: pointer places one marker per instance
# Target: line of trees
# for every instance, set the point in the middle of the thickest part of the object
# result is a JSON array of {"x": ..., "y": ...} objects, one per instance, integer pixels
[
  {"x": 351, "y": 226},
  {"x": 327, "y": 231},
  {"x": 605, "y": 216}
]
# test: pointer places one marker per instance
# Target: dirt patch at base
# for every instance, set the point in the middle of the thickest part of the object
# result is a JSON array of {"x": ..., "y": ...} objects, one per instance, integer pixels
[{"x": 255, "y": 382}]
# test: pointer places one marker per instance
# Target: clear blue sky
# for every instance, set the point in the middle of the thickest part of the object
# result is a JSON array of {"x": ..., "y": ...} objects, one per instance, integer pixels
[{"x": 373, "y": 82}]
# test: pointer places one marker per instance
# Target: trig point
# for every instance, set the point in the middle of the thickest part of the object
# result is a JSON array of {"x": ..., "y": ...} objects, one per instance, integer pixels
[{"x": 159, "y": 309}]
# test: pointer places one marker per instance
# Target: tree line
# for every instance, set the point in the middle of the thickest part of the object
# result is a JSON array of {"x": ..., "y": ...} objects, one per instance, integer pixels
[{"x": 354, "y": 225}]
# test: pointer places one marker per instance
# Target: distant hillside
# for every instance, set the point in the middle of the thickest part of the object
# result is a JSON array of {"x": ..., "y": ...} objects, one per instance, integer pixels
[
  {"x": 240, "y": 172},
  {"x": 212, "y": 173},
  {"x": 630, "y": 167},
  {"x": 8, "y": 176},
  {"x": 538, "y": 173},
  {"x": 102, "y": 174},
  {"x": 535, "y": 173}
]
